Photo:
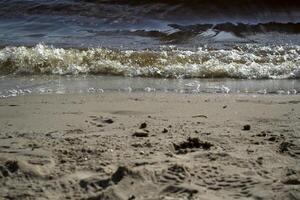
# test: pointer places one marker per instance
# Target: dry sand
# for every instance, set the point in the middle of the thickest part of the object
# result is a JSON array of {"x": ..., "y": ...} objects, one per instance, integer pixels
[{"x": 150, "y": 146}]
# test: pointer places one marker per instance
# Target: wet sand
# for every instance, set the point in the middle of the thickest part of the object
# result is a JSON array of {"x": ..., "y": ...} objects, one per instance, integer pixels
[{"x": 150, "y": 146}]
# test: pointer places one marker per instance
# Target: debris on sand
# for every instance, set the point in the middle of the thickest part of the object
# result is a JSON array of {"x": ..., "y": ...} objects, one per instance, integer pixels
[
  {"x": 293, "y": 180},
  {"x": 141, "y": 133},
  {"x": 12, "y": 166},
  {"x": 272, "y": 139},
  {"x": 199, "y": 116},
  {"x": 143, "y": 125},
  {"x": 108, "y": 121},
  {"x": 247, "y": 127},
  {"x": 191, "y": 144},
  {"x": 165, "y": 130},
  {"x": 283, "y": 147}
]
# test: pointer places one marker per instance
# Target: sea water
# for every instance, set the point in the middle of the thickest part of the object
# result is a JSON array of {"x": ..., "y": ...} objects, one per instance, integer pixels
[{"x": 193, "y": 46}]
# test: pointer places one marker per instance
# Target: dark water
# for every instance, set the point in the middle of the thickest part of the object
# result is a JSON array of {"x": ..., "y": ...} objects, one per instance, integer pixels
[
  {"x": 148, "y": 23},
  {"x": 175, "y": 39}
]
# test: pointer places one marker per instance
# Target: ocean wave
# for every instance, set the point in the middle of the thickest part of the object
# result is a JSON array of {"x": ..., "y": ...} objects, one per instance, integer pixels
[
  {"x": 133, "y": 10},
  {"x": 247, "y": 61},
  {"x": 241, "y": 28},
  {"x": 148, "y": 23},
  {"x": 180, "y": 33}
]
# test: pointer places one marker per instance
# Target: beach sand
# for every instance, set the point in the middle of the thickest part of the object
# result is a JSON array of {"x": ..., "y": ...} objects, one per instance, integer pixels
[{"x": 150, "y": 146}]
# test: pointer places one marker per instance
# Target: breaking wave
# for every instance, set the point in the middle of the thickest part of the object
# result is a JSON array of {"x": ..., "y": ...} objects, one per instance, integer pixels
[
  {"x": 163, "y": 9},
  {"x": 248, "y": 61},
  {"x": 148, "y": 23}
]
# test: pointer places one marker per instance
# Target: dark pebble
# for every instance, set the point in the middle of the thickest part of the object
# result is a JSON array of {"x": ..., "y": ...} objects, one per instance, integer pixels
[
  {"x": 246, "y": 127},
  {"x": 108, "y": 121},
  {"x": 272, "y": 139},
  {"x": 141, "y": 133},
  {"x": 132, "y": 197},
  {"x": 12, "y": 166},
  {"x": 143, "y": 125}
]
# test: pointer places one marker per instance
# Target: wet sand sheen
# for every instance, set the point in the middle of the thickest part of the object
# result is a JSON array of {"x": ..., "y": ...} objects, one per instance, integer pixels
[{"x": 150, "y": 146}]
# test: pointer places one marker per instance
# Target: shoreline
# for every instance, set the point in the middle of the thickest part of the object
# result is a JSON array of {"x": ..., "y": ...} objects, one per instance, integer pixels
[
  {"x": 150, "y": 146},
  {"x": 91, "y": 84}
]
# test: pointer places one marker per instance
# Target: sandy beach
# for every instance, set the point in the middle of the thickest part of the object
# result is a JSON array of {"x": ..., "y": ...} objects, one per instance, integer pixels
[
  {"x": 150, "y": 146},
  {"x": 149, "y": 100}
]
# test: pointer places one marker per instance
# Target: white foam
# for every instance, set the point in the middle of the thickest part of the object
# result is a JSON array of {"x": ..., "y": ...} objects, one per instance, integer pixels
[{"x": 249, "y": 61}]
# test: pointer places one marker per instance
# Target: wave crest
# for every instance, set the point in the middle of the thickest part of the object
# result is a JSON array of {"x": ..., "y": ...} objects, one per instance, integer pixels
[{"x": 249, "y": 61}]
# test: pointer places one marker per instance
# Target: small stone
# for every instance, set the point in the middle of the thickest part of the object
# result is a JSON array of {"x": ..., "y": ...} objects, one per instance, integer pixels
[
  {"x": 284, "y": 146},
  {"x": 199, "y": 116},
  {"x": 262, "y": 134},
  {"x": 132, "y": 197},
  {"x": 141, "y": 133},
  {"x": 12, "y": 166},
  {"x": 165, "y": 130},
  {"x": 89, "y": 151},
  {"x": 292, "y": 180},
  {"x": 260, "y": 160},
  {"x": 63, "y": 161},
  {"x": 143, "y": 125},
  {"x": 137, "y": 145},
  {"x": 246, "y": 127},
  {"x": 250, "y": 150},
  {"x": 108, "y": 121}
]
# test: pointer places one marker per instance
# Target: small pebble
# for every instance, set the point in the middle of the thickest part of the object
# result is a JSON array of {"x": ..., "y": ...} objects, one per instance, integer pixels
[
  {"x": 246, "y": 127},
  {"x": 141, "y": 133},
  {"x": 143, "y": 125}
]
